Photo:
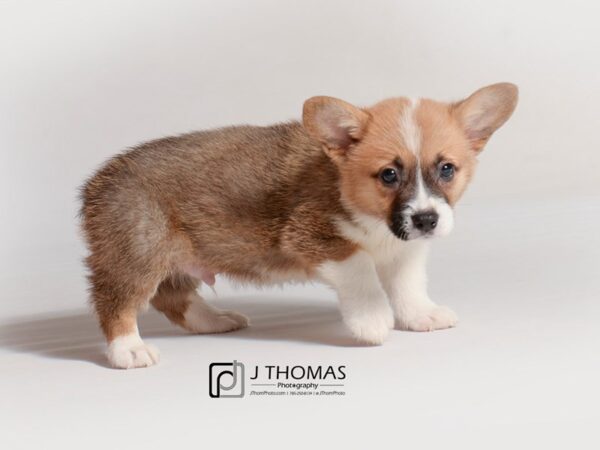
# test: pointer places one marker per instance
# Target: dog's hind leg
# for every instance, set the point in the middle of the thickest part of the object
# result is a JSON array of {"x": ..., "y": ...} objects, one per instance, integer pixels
[
  {"x": 177, "y": 299},
  {"x": 117, "y": 301}
]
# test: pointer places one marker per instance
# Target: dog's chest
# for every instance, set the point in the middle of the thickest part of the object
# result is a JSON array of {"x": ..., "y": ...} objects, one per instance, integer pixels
[{"x": 373, "y": 236}]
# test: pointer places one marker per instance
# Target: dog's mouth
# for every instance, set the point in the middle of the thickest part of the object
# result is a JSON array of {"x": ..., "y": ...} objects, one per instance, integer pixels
[
  {"x": 432, "y": 220},
  {"x": 400, "y": 224},
  {"x": 403, "y": 230},
  {"x": 400, "y": 232},
  {"x": 407, "y": 234},
  {"x": 400, "y": 227}
]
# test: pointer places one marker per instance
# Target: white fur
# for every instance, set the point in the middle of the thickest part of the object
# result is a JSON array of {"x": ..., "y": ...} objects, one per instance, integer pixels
[
  {"x": 373, "y": 235},
  {"x": 363, "y": 302},
  {"x": 388, "y": 267},
  {"x": 400, "y": 268},
  {"x": 201, "y": 317},
  {"x": 129, "y": 351},
  {"x": 423, "y": 199},
  {"x": 405, "y": 282},
  {"x": 409, "y": 129},
  {"x": 446, "y": 216}
]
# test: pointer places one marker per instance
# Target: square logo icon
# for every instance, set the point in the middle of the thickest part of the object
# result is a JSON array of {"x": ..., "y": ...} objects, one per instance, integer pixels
[{"x": 227, "y": 380}]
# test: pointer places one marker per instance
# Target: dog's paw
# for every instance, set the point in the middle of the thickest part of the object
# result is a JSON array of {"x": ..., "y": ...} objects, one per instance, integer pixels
[
  {"x": 129, "y": 352},
  {"x": 371, "y": 328},
  {"x": 203, "y": 319},
  {"x": 429, "y": 319}
]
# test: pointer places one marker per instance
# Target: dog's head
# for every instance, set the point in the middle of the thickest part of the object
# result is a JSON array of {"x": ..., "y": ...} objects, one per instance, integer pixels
[{"x": 408, "y": 161}]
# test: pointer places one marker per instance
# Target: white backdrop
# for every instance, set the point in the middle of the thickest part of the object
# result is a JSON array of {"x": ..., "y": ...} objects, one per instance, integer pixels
[
  {"x": 83, "y": 80},
  {"x": 80, "y": 81}
]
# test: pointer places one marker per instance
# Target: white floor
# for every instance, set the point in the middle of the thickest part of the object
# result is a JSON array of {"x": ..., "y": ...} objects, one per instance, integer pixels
[{"x": 522, "y": 367}]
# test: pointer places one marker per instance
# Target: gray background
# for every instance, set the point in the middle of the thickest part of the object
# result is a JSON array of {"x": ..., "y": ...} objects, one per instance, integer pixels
[{"x": 80, "y": 81}]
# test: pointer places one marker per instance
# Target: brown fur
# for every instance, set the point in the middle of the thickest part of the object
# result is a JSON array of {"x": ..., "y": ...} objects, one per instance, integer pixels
[
  {"x": 256, "y": 203},
  {"x": 445, "y": 142},
  {"x": 244, "y": 201},
  {"x": 172, "y": 297}
]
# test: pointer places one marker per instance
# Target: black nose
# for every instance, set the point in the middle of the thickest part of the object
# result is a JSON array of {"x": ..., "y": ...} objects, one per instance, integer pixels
[{"x": 425, "y": 221}]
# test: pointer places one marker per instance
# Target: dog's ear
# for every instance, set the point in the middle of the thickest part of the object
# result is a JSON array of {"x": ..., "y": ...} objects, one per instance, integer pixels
[
  {"x": 334, "y": 123},
  {"x": 485, "y": 111}
]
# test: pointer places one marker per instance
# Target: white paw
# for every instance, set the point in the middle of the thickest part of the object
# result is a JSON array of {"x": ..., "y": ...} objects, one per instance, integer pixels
[
  {"x": 371, "y": 327},
  {"x": 202, "y": 318},
  {"x": 429, "y": 319},
  {"x": 129, "y": 352}
]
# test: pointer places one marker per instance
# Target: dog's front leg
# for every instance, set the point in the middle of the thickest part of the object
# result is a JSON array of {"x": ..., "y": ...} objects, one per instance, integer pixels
[
  {"x": 363, "y": 302},
  {"x": 405, "y": 281}
]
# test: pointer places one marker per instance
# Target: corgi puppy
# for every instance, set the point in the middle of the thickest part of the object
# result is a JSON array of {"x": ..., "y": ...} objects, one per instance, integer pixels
[{"x": 350, "y": 197}]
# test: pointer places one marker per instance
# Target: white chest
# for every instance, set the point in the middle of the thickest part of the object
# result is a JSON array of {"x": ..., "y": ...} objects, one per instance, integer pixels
[{"x": 375, "y": 237}]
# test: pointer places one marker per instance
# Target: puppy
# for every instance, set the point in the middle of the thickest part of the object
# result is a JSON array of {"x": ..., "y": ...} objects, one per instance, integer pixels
[{"x": 349, "y": 197}]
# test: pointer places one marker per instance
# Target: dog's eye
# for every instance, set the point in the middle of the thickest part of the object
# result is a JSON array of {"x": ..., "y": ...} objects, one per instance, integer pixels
[
  {"x": 447, "y": 171},
  {"x": 389, "y": 176}
]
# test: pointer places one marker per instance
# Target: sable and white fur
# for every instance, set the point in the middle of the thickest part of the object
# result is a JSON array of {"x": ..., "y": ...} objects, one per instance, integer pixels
[{"x": 349, "y": 197}]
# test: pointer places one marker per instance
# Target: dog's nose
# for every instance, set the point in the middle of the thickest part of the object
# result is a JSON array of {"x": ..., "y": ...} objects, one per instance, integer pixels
[{"x": 425, "y": 221}]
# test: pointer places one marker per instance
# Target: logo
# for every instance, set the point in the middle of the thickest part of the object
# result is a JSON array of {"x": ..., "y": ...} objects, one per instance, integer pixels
[{"x": 227, "y": 380}]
